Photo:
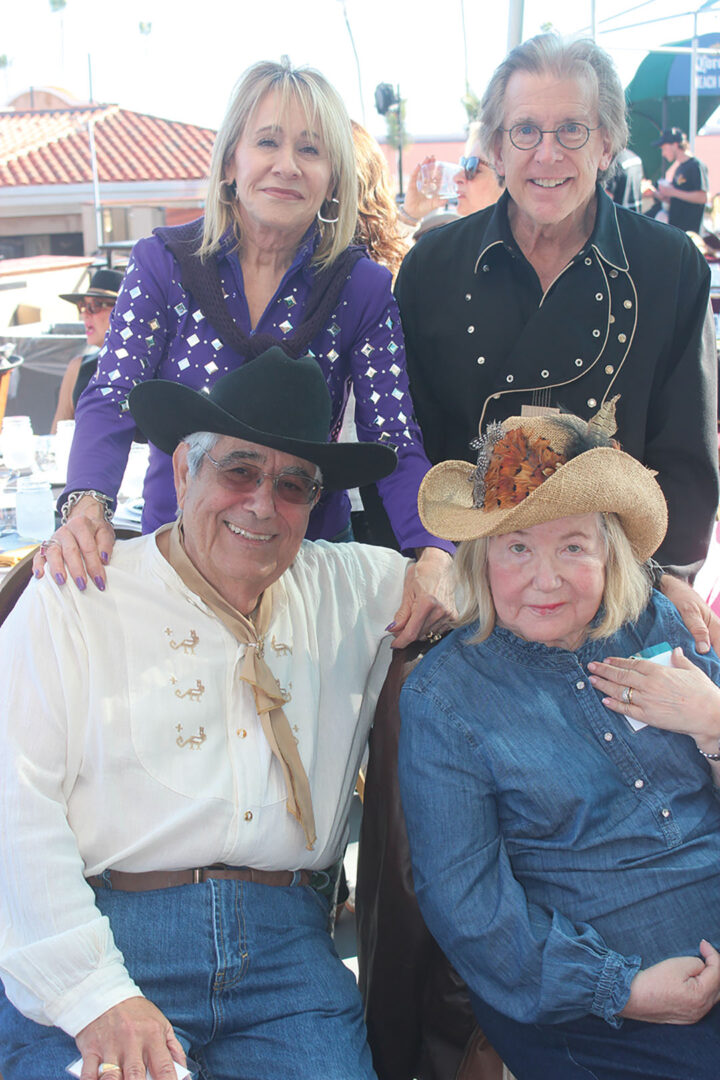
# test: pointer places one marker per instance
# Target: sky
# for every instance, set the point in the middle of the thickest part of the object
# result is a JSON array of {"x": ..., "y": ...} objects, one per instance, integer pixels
[{"x": 185, "y": 67}]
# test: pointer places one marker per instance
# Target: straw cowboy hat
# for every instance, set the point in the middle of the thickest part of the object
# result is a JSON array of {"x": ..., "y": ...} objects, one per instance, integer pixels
[
  {"x": 274, "y": 401},
  {"x": 527, "y": 474}
]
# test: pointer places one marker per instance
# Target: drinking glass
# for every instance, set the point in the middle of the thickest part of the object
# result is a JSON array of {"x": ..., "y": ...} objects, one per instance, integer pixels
[
  {"x": 437, "y": 180},
  {"x": 17, "y": 442}
]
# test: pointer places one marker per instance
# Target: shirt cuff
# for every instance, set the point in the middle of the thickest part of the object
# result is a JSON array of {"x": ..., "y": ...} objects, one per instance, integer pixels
[
  {"x": 613, "y": 988},
  {"x": 100, "y": 991}
]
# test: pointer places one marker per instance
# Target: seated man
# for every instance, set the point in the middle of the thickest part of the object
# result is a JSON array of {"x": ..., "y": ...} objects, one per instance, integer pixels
[{"x": 180, "y": 753}]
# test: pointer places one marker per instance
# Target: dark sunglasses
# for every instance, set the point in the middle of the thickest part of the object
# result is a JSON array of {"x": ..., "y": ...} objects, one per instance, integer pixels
[
  {"x": 94, "y": 306},
  {"x": 244, "y": 478},
  {"x": 471, "y": 166}
]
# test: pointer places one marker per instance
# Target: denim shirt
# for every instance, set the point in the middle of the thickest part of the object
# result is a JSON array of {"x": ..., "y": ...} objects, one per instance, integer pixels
[{"x": 555, "y": 850}]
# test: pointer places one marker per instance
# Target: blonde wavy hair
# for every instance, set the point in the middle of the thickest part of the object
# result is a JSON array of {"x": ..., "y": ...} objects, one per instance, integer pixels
[
  {"x": 377, "y": 221},
  {"x": 325, "y": 113},
  {"x": 626, "y": 594}
]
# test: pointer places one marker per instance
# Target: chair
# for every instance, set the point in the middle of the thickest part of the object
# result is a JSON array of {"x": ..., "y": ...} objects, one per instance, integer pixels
[
  {"x": 417, "y": 1009},
  {"x": 13, "y": 583}
]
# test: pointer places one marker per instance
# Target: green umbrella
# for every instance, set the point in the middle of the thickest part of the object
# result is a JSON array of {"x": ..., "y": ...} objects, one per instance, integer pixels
[{"x": 659, "y": 97}]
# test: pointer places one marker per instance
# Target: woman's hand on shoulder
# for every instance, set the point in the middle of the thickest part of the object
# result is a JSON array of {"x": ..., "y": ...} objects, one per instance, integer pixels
[
  {"x": 80, "y": 549},
  {"x": 427, "y": 607},
  {"x": 676, "y": 991},
  {"x": 700, "y": 621}
]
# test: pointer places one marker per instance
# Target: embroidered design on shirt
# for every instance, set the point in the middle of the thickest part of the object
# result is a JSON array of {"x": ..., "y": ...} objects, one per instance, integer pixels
[
  {"x": 280, "y": 648},
  {"x": 193, "y": 741},
  {"x": 286, "y": 695},
  {"x": 193, "y": 693},
  {"x": 188, "y": 645}
]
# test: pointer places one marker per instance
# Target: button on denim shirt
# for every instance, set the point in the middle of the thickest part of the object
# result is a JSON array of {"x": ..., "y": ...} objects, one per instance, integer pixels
[{"x": 555, "y": 850}]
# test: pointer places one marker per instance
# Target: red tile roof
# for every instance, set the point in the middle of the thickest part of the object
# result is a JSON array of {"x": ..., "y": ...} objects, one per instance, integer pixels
[{"x": 52, "y": 146}]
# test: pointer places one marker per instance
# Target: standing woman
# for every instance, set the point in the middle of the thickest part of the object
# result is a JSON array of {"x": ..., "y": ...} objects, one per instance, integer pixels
[
  {"x": 268, "y": 264},
  {"x": 477, "y": 183},
  {"x": 94, "y": 307},
  {"x": 377, "y": 219}
]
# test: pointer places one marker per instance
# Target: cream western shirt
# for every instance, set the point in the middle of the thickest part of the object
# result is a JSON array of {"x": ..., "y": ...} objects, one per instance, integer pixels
[{"x": 129, "y": 742}]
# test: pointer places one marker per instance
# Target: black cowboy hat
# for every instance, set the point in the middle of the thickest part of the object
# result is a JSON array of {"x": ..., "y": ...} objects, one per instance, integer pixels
[
  {"x": 104, "y": 284},
  {"x": 273, "y": 401}
]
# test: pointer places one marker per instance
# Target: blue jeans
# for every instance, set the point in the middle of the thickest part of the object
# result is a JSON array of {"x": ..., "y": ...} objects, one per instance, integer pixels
[
  {"x": 246, "y": 973},
  {"x": 589, "y": 1049}
]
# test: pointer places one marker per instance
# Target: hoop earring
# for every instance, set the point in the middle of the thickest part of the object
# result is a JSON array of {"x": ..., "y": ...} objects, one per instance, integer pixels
[
  {"x": 329, "y": 220},
  {"x": 231, "y": 185}
]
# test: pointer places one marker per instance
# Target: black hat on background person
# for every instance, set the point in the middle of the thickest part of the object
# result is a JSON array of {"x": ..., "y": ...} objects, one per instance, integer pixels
[
  {"x": 104, "y": 285},
  {"x": 273, "y": 401},
  {"x": 670, "y": 135}
]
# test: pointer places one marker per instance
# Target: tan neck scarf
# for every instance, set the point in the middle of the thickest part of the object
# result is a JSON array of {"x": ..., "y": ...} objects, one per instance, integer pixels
[{"x": 255, "y": 671}]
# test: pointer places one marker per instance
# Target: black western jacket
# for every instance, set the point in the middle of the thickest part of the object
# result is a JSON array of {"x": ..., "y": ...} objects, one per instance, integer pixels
[{"x": 626, "y": 316}]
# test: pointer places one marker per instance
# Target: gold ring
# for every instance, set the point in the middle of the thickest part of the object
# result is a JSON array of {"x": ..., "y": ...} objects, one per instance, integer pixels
[
  {"x": 627, "y": 695},
  {"x": 107, "y": 1066}
]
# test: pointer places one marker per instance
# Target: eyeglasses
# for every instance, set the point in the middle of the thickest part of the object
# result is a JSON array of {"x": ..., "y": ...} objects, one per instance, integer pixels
[
  {"x": 93, "y": 307},
  {"x": 571, "y": 135},
  {"x": 291, "y": 487},
  {"x": 471, "y": 166}
]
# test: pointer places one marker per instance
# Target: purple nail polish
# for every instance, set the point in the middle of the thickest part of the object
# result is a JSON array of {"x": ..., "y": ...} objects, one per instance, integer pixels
[
  {"x": 60, "y": 578},
  {"x": 100, "y": 583},
  {"x": 80, "y": 582},
  {"x": 390, "y": 626},
  {"x": 104, "y": 557},
  {"x": 36, "y": 573}
]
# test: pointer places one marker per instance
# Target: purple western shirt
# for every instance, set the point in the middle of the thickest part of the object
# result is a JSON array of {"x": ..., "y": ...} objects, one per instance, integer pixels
[{"x": 158, "y": 331}]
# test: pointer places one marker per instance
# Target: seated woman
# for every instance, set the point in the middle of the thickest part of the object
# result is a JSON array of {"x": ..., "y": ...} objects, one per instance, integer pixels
[{"x": 560, "y": 793}]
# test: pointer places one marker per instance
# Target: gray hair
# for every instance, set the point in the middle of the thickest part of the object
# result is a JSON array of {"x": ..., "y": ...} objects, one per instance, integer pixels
[
  {"x": 325, "y": 110},
  {"x": 198, "y": 444},
  {"x": 549, "y": 53},
  {"x": 625, "y": 596}
]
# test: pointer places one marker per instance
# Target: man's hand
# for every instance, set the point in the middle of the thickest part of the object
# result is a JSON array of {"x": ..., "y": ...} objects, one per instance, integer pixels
[
  {"x": 702, "y": 623},
  {"x": 677, "y": 991},
  {"x": 81, "y": 548},
  {"x": 134, "y": 1035},
  {"x": 427, "y": 605}
]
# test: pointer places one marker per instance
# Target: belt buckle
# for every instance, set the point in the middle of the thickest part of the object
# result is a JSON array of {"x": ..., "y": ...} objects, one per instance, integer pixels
[{"x": 198, "y": 876}]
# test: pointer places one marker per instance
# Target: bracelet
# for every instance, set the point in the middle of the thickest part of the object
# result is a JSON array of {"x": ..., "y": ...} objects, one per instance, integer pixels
[
  {"x": 74, "y": 498},
  {"x": 709, "y": 757},
  {"x": 407, "y": 218}
]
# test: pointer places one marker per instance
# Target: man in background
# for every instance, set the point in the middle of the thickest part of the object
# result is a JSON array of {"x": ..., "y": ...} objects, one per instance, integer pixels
[{"x": 688, "y": 188}]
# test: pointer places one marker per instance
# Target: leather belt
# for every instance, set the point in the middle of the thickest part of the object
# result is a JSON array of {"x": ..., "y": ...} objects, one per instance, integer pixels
[{"x": 170, "y": 879}]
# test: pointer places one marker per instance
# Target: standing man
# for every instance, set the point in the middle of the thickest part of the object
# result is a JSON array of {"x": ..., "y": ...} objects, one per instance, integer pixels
[
  {"x": 688, "y": 189},
  {"x": 557, "y": 298}
]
